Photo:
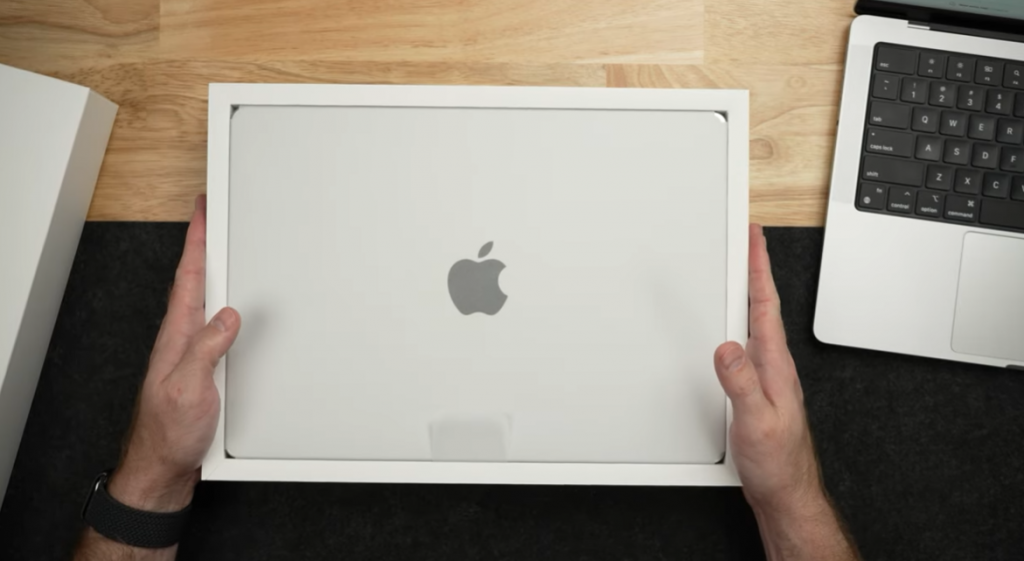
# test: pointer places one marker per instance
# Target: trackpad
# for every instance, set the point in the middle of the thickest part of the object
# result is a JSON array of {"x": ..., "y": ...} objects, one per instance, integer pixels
[{"x": 990, "y": 301}]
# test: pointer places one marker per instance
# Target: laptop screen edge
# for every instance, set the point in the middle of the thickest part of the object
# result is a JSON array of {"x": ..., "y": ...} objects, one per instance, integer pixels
[{"x": 980, "y": 23}]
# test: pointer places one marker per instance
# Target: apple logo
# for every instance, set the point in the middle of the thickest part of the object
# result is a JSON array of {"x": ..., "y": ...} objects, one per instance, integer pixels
[{"x": 473, "y": 285}]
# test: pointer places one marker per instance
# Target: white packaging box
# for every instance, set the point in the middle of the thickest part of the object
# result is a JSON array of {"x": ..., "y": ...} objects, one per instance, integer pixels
[
  {"x": 52, "y": 139},
  {"x": 228, "y": 100}
]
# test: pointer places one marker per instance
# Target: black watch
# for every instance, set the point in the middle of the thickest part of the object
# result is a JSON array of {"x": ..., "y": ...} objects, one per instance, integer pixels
[{"x": 131, "y": 526}]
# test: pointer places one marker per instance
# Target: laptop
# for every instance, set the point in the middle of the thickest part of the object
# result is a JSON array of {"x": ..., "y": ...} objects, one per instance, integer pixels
[
  {"x": 466, "y": 283},
  {"x": 924, "y": 238}
]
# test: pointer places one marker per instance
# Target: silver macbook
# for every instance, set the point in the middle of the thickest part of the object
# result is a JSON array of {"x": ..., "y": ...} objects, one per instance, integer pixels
[
  {"x": 477, "y": 284},
  {"x": 924, "y": 239}
]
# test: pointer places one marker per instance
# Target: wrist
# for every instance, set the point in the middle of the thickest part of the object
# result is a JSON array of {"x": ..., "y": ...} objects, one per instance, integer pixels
[
  {"x": 805, "y": 529},
  {"x": 150, "y": 488},
  {"x": 802, "y": 501},
  {"x": 795, "y": 509}
]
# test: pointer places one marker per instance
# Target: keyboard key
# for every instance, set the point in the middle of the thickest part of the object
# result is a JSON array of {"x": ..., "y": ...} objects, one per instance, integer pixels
[
  {"x": 892, "y": 143},
  {"x": 962, "y": 209},
  {"x": 926, "y": 119},
  {"x": 971, "y": 98},
  {"x": 945, "y": 138},
  {"x": 892, "y": 59},
  {"x": 930, "y": 204},
  {"x": 953, "y": 123},
  {"x": 890, "y": 115},
  {"x": 939, "y": 177},
  {"x": 872, "y": 195},
  {"x": 901, "y": 200},
  {"x": 1014, "y": 76},
  {"x": 943, "y": 94},
  {"x": 1012, "y": 160},
  {"x": 914, "y": 90},
  {"x": 958, "y": 152},
  {"x": 1000, "y": 102},
  {"x": 1010, "y": 131},
  {"x": 989, "y": 72},
  {"x": 929, "y": 148},
  {"x": 985, "y": 156},
  {"x": 886, "y": 86},
  {"x": 996, "y": 185},
  {"x": 982, "y": 128},
  {"x": 889, "y": 170},
  {"x": 961, "y": 69},
  {"x": 1002, "y": 213},
  {"x": 932, "y": 65},
  {"x": 968, "y": 181}
]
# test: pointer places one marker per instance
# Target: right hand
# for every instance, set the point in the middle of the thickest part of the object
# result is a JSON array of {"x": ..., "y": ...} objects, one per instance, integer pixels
[{"x": 771, "y": 442}]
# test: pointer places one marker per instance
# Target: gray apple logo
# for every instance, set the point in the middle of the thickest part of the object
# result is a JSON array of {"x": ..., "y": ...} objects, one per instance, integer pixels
[{"x": 473, "y": 285}]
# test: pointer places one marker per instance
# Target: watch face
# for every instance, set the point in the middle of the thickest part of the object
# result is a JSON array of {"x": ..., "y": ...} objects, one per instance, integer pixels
[{"x": 101, "y": 479}]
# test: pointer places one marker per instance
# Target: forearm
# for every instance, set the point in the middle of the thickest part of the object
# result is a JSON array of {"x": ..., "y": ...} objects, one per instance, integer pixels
[
  {"x": 810, "y": 532},
  {"x": 144, "y": 488}
]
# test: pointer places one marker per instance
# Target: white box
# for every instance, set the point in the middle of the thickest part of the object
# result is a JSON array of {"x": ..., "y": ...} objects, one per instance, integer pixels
[
  {"x": 228, "y": 100},
  {"x": 52, "y": 138}
]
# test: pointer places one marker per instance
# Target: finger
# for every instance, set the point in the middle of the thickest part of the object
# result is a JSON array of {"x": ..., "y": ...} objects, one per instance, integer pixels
[
  {"x": 189, "y": 293},
  {"x": 738, "y": 377},
  {"x": 213, "y": 342},
  {"x": 765, "y": 309},
  {"x": 185, "y": 308}
]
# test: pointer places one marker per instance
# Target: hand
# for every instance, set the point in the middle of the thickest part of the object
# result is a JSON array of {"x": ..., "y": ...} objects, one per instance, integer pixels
[
  {"x": 178, "y": 407},
  {"x": 771, "y": 444}
]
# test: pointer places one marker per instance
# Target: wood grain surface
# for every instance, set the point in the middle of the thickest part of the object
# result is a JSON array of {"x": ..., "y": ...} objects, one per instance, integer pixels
[{"x": 155, "y": 58}]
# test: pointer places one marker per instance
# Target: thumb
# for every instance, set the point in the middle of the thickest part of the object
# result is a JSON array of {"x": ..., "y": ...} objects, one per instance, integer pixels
[
  {"x": 738, "y": 377},
  {"x": 214, "y": 340}
]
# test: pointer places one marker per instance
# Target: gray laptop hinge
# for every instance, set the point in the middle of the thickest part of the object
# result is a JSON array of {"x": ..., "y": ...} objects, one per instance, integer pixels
[{"x": 915, "y": 25}]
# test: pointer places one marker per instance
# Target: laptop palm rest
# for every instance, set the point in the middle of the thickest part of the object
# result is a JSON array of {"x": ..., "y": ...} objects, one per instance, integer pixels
[{"x": 990, "y": 299}]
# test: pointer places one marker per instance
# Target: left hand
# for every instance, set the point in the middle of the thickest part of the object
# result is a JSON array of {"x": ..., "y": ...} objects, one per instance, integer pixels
[{"x": 179, "y": 406}]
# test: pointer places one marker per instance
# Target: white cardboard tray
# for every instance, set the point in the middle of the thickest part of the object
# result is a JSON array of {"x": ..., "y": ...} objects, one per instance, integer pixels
[{"x": 223, "y": 98}]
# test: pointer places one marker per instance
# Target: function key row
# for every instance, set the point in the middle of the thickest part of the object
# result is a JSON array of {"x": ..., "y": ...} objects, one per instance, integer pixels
[
  {"x": 957, "y": 68},
  {"x": 945, "y": 94}
]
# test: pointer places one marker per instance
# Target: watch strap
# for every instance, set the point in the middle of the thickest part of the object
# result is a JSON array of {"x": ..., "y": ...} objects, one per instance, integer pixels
[{"x": 131, "y": 526}]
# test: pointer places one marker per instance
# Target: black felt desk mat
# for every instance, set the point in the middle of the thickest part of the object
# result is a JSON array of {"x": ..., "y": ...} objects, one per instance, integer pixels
[{"x": 923, "y": 457}]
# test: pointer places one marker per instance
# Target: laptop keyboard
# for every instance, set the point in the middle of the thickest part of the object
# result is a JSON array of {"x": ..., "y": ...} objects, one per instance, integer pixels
[{"x": 945, "y": 138}]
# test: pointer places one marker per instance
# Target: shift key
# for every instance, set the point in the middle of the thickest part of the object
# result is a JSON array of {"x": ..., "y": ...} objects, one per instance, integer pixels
[{"x": 888, "y": 170}]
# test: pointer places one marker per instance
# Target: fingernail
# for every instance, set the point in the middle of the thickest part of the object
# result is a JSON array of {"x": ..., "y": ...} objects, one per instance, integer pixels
[
  {"x": 734, "y": 359},
  {"x": 201, "y": 202},
  {"x": 218, "y": 322}
]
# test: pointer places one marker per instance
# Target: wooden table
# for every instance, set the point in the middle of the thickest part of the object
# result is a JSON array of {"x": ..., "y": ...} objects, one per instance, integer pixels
[{"x": 156, "y": 57}]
